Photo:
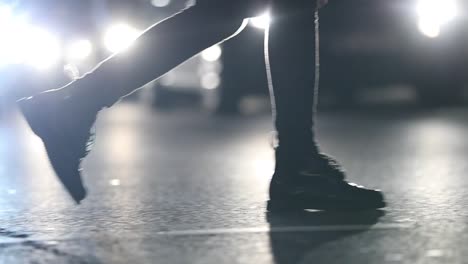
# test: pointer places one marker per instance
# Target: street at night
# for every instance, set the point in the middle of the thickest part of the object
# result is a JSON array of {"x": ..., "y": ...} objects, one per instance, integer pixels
[
  {"x": 188, "y": 187},
  {"x": 250, "y": 132}
]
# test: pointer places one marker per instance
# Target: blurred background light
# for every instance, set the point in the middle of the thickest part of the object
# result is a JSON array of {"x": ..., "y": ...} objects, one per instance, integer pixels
[
  {"x": 120, "y": 36},
  {"x": 114, "y": 182},
  {"x": 212, "y": 54},
  {"x": 79, "y": 50},
  {"x": 160, "y": 3},
  {"x": 210, "y": 80},
  {"x": 14, "y": 38},
  {"x": 434, "y": 14},
  {"x": 24, "y": 43},
  {"x": 429, "y": 28},
  {"x": 5, "y": 13},
  {"x": 260, "y": 22},
  {"x": 45, "y": 49}
]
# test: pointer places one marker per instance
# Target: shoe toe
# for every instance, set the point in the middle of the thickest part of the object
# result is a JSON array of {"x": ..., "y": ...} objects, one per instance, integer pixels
[{"x": 364, "y": 196}]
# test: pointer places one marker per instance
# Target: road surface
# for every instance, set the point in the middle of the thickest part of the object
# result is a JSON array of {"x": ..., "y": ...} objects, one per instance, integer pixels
[{"x": 187, "y": 187}]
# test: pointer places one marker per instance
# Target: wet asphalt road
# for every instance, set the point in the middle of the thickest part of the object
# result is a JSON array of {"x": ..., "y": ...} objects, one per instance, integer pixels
[{"x": 186, "y": 187}]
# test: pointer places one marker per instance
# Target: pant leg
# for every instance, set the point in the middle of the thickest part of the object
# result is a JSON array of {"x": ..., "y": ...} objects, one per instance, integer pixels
[
  {"x": 161, "y": 48},
  {"x": 292, "y": 66}
]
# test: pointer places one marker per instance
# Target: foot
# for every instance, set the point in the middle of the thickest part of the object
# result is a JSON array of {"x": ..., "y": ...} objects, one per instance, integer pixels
[
  {"x": 319, "y": 185},
  {"x": 64, "y": 127}
]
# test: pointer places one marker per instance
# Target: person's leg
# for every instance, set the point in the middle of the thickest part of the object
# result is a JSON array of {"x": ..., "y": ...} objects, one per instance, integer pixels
[
  {"x": 62, "y": 118},
  {"x": 292, "y": 65},
  {"x": 161, "y": 48},
  {"x": 304, "y": 178}
]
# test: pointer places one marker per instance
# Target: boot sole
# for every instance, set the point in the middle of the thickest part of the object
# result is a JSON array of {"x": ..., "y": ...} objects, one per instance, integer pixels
[{"x": 323, "y": 205}]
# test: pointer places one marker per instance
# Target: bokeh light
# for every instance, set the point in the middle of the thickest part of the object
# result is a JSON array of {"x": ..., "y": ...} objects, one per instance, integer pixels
[
  {"x": 160, "y": 3},
  {"x": 23, "y": 43},
  {"x": 210, "y": 81},
  {"x": 45, "y": 50},
  {"x": 120, "y": 36},
  {"x": 212, "y": 54},
  {"x": 260, "y": 22},
  {"x": 79, "y": 50},
  {"x": 434, "y": 14}
]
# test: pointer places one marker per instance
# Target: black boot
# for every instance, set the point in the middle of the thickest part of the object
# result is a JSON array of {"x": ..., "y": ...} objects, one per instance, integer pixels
[
  {"x": 65, "y": 126},
  {"x": 64, "y": 118},
  {"x": 317, "y": 182}
]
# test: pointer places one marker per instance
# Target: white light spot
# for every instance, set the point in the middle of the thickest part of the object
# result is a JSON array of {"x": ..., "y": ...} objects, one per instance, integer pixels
[
  {"x": 79, "y": 50},
  {"x": 23, "y": 43},
  {"x": 434, "y": 14},
  {"x": 45, "y": 49},
  {"x": 436, "y": 10},
  {"x": 261, "y": 22},
  {"x": 213, "y": 53},
  {"x": 114, "y": 182},
  {"x": 429, "y": 28},
  {"x": 11, "y": 191},
  {"x": 120, "y": 36},
  {"x": 206, "y": 67},
  {"x": 264, "y": 168},
  {"x": 435, "y": 253},
  {"x": 210, "y": 81},
  {"x": 160, "y": 3}
]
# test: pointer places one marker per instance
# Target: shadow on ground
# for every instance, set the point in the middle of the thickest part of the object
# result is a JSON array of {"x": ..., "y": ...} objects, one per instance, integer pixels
[{"x": 289, "y": 245}]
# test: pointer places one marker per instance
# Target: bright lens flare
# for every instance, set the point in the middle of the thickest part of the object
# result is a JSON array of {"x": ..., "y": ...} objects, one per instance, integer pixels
[
  {"x": 29, "y": 45},
  {"x": 119, "y": 37},
  {"x": 260, "y": 22},
  {"x": 79, "y": 50},
  {"x": 429, "y": 28},
  {"x": 434, "y": 14},
  {"x": 45, "y": 49},
  {"x": 23, "y": 43}
]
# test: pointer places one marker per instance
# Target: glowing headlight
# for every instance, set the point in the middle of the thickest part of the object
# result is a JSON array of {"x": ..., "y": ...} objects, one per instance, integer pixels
[
  {"x": 119, "y": 37},
  {"x": 260, "y": 22},
  {"x": 32, "y": 46},
  {"x": 44, "y": 49},
  {"x": 13, "y": 32},
  {"x": 79, "y": 50},
  {"x": 25, "y": 44},
  {"x": 434, "y": 14}
]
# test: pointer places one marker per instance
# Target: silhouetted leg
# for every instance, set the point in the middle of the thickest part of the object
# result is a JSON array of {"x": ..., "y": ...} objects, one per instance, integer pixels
[
  {"x": 304, "y": 178},
  {"x": 161, "y": 48},
  {"x": 63, "y": 118},
  {"x": 293, "y": 64}
]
